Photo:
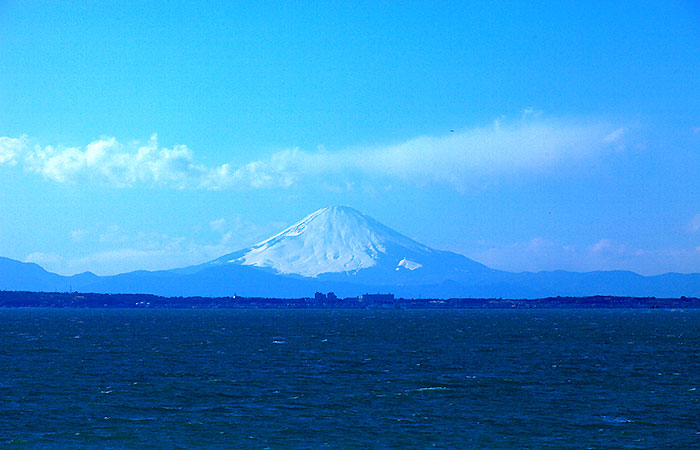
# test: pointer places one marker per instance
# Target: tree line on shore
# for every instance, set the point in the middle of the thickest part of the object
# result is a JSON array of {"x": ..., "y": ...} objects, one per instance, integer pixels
[{"x": 9, "y": 299}]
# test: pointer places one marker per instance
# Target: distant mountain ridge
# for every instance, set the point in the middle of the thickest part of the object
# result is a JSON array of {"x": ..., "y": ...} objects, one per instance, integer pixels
[{"x": 342, "y": 250}]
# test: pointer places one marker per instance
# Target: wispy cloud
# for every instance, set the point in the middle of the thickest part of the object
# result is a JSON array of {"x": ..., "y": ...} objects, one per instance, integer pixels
[
  {"x": 11, "y": 148},
  {"x": 121, "y": 260},
  {"x": 604, "y": 254},
  {"x": 218, "y": 224},
  {"x": 123, "y": 250},
  {"x": 527, "y": 145},
  {"x": 694, "y": 225},
  {"x": 614, "y": 136}
]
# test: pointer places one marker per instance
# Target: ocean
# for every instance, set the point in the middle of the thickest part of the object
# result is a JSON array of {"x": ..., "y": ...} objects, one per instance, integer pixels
[{"x": 349, "y": 379}]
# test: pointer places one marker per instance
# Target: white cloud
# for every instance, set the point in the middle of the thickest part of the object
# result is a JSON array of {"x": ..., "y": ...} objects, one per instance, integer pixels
[
  {"x": 11, "y": 149},
  {"x": 607, "y": 247},
  {"x": 614, "y": 136},
  {"x": 46, "y": 260},
  {"x": 694, "y": 224},
  {"x": 78, "y": 235},
  {"x": 530, "y": 112},
  {"x": 107, "y": 160},
  {"x": 458, "y": 158},
  {"x": 218, "y": 224}
]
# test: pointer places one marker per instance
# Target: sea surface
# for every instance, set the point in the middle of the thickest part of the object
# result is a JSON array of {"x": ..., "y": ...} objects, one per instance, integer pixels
[{"x": 349, "y": 379}]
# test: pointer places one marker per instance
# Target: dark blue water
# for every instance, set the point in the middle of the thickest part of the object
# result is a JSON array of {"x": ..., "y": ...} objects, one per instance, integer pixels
[{"x": 230, "y": 379}]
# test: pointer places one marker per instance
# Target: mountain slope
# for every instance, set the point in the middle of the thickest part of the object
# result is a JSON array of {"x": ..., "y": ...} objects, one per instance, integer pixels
[
  {"x": 21, "y": 276},
  {"x": 340, "y": 243}
]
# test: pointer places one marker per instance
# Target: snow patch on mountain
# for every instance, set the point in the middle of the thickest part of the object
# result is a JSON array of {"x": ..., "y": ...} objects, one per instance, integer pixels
[{"x": 408, "y": 264}]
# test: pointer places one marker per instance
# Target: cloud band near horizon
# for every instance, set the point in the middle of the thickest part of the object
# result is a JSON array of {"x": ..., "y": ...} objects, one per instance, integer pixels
[{"x": 456, "y": 158}]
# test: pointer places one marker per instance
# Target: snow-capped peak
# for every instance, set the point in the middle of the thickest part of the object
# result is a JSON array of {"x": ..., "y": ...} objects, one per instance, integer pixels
[{"x": 330, "y": 240}]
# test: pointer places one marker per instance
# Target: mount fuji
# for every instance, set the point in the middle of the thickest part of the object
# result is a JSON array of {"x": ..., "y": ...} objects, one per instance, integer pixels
[
  {"x": 342, "y": 250},
  {"x": 339, "y": 243}
]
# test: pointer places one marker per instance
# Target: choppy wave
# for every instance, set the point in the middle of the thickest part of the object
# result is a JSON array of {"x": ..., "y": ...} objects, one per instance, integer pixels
[{"x": 390, "y": 379}]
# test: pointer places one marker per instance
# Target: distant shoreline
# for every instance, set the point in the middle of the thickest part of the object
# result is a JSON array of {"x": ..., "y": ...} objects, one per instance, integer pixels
[{"x": 28, "y": 299}]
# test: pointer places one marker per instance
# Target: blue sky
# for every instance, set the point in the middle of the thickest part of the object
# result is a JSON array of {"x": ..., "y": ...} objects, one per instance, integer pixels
[{"x": 527, "y": 137}]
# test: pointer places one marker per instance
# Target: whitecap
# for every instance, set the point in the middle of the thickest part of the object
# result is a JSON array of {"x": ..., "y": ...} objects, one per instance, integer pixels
[{"x": 615, "y": 419}]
